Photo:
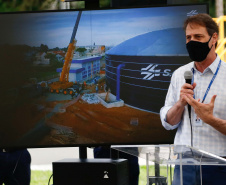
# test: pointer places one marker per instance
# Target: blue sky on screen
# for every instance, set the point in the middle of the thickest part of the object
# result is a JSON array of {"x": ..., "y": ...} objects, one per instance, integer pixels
[{"x": 102, "y": 27}]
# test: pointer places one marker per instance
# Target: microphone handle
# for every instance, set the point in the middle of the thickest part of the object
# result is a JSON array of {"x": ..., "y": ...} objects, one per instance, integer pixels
[
  {"x": 189, "y": 106},
  {"x": 188, "y": 81}
]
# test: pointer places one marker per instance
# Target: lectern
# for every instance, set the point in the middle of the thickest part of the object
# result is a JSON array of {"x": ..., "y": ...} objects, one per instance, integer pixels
[{"x": 171, "y": 155}]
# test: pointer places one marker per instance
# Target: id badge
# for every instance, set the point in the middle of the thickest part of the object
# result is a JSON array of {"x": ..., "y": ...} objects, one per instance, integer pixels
[{"x": 197, "y": 121}]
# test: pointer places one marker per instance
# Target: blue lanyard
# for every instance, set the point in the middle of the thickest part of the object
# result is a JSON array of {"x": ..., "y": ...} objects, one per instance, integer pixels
[{"x": 211, "y": 82}]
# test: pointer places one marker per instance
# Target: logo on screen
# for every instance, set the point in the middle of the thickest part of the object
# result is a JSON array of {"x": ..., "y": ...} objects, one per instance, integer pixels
[
  {"x": 191, "y": 13},
  {"x": 150, "y": 72}
]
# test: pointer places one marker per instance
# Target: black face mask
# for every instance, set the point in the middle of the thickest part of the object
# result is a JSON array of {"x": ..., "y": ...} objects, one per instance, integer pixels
[{"x": 198, "y": 51}]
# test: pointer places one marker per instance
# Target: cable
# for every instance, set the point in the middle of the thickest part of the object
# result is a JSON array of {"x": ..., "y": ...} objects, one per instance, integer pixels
[
  {"x": 171, "y": 174},
  {"x": 16, "y": 167},
  {"x": 170, "y": 168},
  {"x": 50, "y": 179},
  {"x": 17, "y": 162},
  {"x": 189, "y": 114},
  {"x": 191, "y": 133},
  {"x": 200, "y": 166}
]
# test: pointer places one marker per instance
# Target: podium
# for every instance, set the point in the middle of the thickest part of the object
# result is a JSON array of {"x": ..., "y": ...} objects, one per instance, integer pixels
[{"x": 170, "y": 155}]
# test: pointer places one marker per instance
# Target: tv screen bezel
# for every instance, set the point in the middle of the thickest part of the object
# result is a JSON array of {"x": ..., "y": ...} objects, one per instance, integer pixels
[{"x": 73, "y": 10}]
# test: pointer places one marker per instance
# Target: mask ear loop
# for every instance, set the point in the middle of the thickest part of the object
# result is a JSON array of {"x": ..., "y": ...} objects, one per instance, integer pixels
[
  {"x": 209, "y": 41},
  {"x": 215, "y": 43},
  {"x": 210, "y": 37}
]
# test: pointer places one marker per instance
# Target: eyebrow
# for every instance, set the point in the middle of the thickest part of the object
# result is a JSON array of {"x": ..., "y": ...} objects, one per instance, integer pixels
[{"x": 198, "y": 34}]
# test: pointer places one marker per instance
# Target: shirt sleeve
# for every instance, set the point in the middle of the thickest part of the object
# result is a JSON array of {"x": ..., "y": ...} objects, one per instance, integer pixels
[{"x": 171, "y": 99}]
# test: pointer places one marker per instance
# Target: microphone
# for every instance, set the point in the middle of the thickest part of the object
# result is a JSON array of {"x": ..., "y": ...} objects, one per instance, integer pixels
[{"x": 188, "y": 78}]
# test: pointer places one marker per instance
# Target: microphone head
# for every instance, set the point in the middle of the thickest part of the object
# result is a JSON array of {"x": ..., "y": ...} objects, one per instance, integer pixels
[{"x": 188, "y": 75}]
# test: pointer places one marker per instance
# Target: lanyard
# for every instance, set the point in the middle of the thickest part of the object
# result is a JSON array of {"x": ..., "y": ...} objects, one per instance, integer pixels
[{"x": 211, "y": 82}]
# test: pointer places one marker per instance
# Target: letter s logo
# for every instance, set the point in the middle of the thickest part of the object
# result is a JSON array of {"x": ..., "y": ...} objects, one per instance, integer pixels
[{"x": 167, "y": 72}]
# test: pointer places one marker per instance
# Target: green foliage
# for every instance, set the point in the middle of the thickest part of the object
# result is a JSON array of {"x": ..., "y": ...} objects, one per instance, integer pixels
[
  {"x": 105, "y": 3},
  {"x": 143, "y": 173},
  {"x": 54, "y": 61},
  {"x": 64, "y": 49},
  {"x": 56, "y": 49},
  {"x": 51, "y": 56},
  {"x": 81, "y": 50},
  {"x": 34, "y": 5},
  {"x": 21, "y": 57},
  {"x": 77, "y": 4},
  {"x": 40, "y": 177},
  {"x": 44, "y": 48}
]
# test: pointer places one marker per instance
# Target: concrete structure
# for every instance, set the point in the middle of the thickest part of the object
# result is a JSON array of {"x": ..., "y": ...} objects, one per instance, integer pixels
[{"x": 112, "y": 100}]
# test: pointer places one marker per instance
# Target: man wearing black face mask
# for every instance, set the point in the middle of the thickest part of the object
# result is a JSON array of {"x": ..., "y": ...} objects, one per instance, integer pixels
[{"x": 208, "y": 117}]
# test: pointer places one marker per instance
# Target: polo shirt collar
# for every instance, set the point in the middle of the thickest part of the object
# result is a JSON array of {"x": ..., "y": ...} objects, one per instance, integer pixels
[{"x": 212, "y": 67}]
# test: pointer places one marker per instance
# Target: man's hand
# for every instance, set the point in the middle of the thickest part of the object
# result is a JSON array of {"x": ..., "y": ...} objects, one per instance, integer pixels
[
  {"x": 174, "y": 115},
  {"x": 203, "y": 111},
  {"x": 186, "y": 90}
]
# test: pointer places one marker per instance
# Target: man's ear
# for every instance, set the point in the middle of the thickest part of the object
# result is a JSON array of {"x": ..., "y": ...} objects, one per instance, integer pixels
[{"x": 215, "y": 38}]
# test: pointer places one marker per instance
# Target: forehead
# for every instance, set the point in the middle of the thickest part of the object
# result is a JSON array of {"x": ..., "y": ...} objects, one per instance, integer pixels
[{"x": 193, "y": 28}]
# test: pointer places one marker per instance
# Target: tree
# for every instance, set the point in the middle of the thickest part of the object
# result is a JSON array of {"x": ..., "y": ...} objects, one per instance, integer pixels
[
  {"x": 44, "y": 48},
  {"x": 219, "y": 8},
  {"x": 56, "y": 49},
  {"x": 34, "y": 5},
  {"x": 81, "y": 50},
  {"x": 54, "y": 61}
]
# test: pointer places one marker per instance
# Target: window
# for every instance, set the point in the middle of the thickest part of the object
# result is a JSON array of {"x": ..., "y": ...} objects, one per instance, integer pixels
[
  {"x": 89, "y": 70},
  {"x": 84, "y": 74}
]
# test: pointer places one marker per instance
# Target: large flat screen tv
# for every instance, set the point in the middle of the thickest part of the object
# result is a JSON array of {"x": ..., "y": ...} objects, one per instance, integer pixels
[{"x": 89, "y": 77}]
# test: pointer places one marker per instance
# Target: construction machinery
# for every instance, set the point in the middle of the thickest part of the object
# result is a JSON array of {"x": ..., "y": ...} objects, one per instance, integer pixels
[{"x": 63, "y": 82}]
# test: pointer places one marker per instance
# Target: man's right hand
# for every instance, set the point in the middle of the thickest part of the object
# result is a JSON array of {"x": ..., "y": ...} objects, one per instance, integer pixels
[
  {"x": 175, "y": 113},
  {"x": 186, "y": 89}
]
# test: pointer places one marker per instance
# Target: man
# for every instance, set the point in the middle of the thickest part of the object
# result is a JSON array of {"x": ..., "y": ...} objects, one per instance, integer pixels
[
  {"x": 15, "y": 167},
  {"x": 206, "y": 129}
]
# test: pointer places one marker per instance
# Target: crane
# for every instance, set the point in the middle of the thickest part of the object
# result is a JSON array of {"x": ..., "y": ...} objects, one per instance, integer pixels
[{"x": 63, "y": 82}]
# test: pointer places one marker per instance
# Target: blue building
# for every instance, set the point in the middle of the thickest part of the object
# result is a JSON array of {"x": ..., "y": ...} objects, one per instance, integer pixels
[{"x": 84, "y": 68}]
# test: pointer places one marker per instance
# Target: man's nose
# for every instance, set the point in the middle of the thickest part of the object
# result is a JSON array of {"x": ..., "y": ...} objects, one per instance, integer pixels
[{"x": 192, "y": 38}]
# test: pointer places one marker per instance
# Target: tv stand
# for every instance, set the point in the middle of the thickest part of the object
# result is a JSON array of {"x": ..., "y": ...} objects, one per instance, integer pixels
[
  {"x": 82, "y": 152},
  {"x": 85, "y": 171}
]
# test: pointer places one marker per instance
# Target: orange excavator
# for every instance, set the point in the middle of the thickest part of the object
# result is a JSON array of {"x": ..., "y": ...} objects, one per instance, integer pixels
[{"x": 63, "y": 82}]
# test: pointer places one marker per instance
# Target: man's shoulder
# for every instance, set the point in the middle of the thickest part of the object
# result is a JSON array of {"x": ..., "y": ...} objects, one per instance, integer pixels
[{"x": 182, "y": 69}]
